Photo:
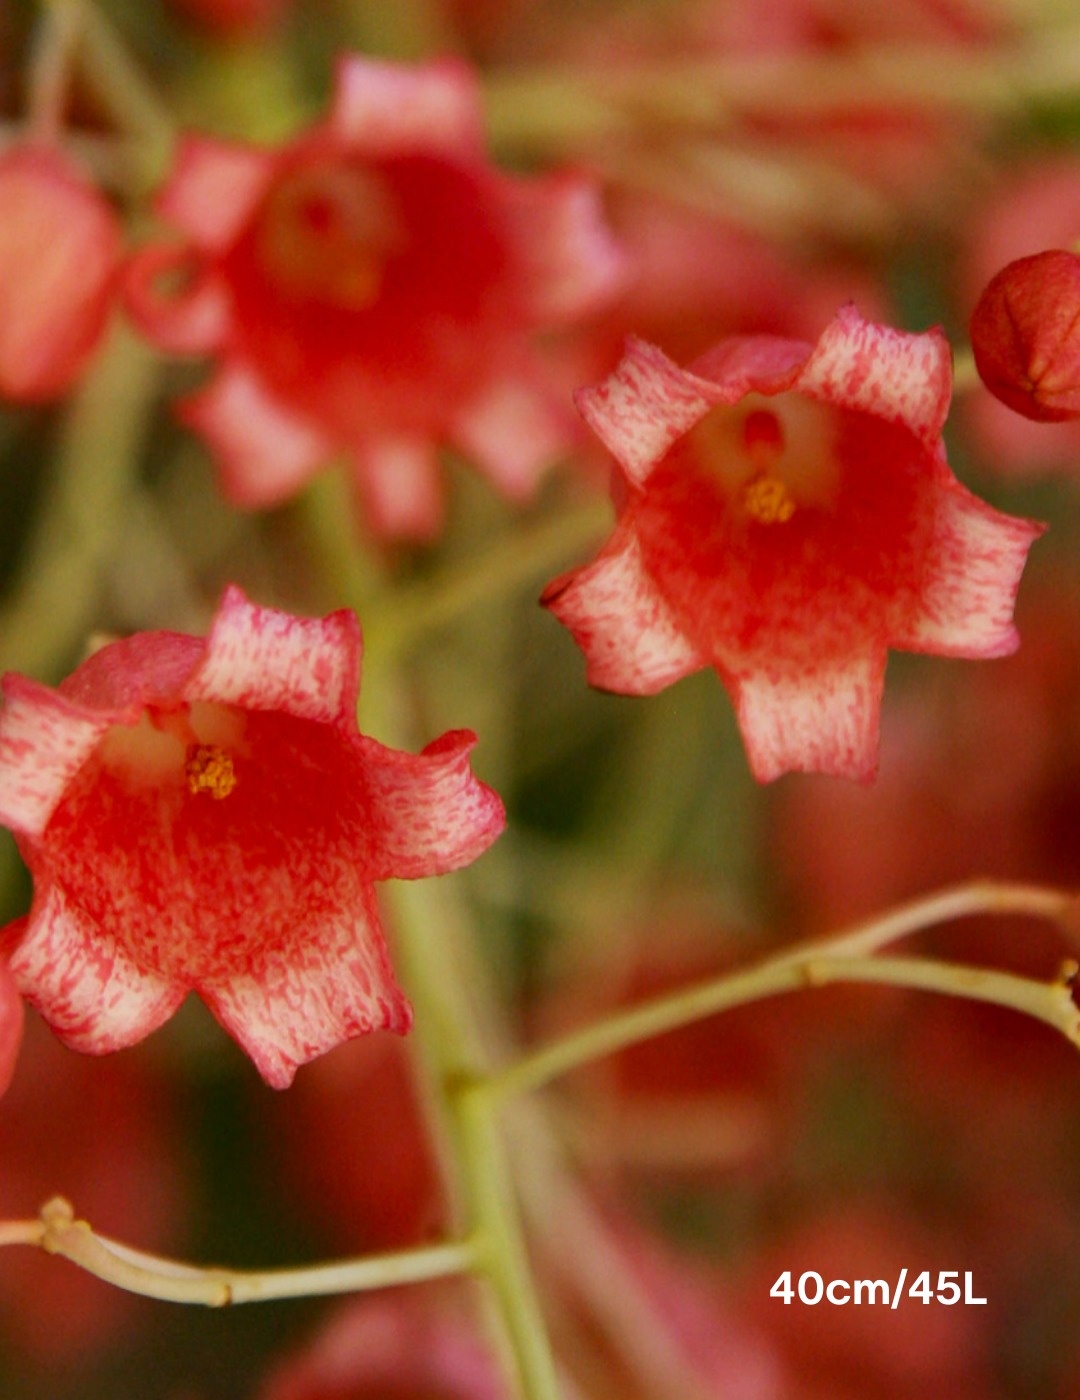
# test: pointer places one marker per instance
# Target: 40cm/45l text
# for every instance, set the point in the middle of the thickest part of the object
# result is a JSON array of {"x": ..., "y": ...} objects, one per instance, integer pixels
[{"x": 811, "y": 1289}]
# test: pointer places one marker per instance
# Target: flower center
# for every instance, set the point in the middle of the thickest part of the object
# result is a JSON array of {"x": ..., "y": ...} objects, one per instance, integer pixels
[
  {"x": 194, "y": 746},
  {"x": 326, "y": 231},
  {"x": 771, "y": 456},
  {"x": 209, "y": 769}
]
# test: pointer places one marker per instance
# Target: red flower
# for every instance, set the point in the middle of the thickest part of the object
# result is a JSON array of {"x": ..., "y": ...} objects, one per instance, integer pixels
[
  {"x": 788, "y": 515},
  {"x": 403, "y": 1344},
  {"x": 370, "y": 289},
  {"x": 60, "y": 246},
  {"x": 1024, "y": 336},
  {"x": 205, "y": 815}
]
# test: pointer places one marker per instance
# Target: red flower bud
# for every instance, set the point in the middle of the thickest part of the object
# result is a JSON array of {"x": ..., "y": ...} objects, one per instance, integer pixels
[{"x": 1025, "y": 333}]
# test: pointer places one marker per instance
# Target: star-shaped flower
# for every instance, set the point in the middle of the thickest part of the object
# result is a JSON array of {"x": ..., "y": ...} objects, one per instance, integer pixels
[
  {"x": 372, "y": 290},
  {"x": 787, "y": 515},
  {"x": 204, "y": 815}
]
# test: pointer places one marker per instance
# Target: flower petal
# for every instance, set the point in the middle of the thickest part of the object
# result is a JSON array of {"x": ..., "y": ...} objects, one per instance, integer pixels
[
  {"x": 11, "y": 1025},
  {"x": 892, "y": 374},
  {"x": 387, "y": 108},
  {"x": 632, "y": 640},
  {"x": 192, "y": 322},
  {"x": 644, "y": 406},
  {"x": 970, "y": 580},
  {"x": 213, "y": 190},
  {"x": 428, "y": 813},
  {"x": 262, "y": 659},
  {"x": 823, "y": 720},
  {"x": 573, "y": 264},
  {"x": 80, "y": 978},
  {"x": 512, "y": 433},
  {"x": 331, "y": 982},
  {"x": 44, "y": 741},
  {"x": 399, "y": 481},
  {"x": 265, "y": 451}
]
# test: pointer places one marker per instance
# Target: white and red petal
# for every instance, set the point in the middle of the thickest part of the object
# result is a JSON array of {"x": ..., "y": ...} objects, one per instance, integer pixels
[
  {"x": 969, "y": 580},
  {"x": 399, "y": 482},
  {"x": 644, "y": 405},
  {"x": 391, "y": 109},
  {"x": 823, "y": 719},
  {"x": 513, "y": 433},
  {"x": 45, "y": 739},
  {"x": 427, "y": 813},
  {"x": 11, "y": 1025},
  {"x": 265, "y": 451},
  {"x": 328, "y": 981},
  {"x": 214, "y": 189},
  {"x": 193, "y": 320},
  {"x": 570, "y": 261},
  {"x": 262, "y": 659},
  {"x": 60, "y": 249},
  {"x": 82, "y": 980},
  {"x": 876, "y": 369},
  {"x": 632, "y": 640}
]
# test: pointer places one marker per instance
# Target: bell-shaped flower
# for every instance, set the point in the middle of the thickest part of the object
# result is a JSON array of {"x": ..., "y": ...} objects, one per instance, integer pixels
[
  {"x": 60, "y": 249},
  {"x": 787, "y": 515},
  {"x": 371, "y": 290},
  {"x": 204, "y": 814}
]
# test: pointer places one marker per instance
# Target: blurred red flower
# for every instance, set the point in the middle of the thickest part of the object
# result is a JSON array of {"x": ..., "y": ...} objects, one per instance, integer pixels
[
  {"x": 372, "y": 288},
  {"x": 787, "y": 515},
  {"x": 205, "y": 815},
  {"x": 60, "y": 248}
]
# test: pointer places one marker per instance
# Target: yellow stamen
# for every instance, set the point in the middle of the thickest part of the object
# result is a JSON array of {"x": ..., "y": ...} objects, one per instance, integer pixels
[
  {"x": 210, "y": 769},
  {"x": 768, "y": 500}
]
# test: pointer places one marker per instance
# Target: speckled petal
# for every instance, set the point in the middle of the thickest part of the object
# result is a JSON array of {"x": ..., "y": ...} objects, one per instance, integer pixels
[
  {"x": 262, "y": 659},
  {"x": 83, "y": 982},
  {"x": 44, "y": 741},
  {"x": 644, "y": 406},
  {"x": 631, "y": 639},
  {"x": 333, "y": 984},
  {"x": 971, "y": 577},
  {"x": 571, "y": 261},
  {"x": 265, "y": 452},
  {"x": 398, "y": 479},
  {"x": 513, "y": 433},
  {"x": 892, "y": 374},
  {"x": 823, "y": 720},
  {"x": 391, "y": 109},
  {"x": 427, "y": 812},
  {"x": 214, "y": 189}
]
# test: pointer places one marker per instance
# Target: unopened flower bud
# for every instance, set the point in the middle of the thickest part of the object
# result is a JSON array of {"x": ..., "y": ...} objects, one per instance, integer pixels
[{"x": 1025, "y": 333}]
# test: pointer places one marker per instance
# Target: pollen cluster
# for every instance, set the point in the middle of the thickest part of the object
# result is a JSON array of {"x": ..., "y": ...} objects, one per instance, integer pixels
[
  {"x": 209, "y": 769},
  {"x": 768, "y": 500}
]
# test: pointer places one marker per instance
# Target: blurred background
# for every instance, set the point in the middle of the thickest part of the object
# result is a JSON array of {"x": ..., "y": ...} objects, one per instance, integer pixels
[{"x": 761, "y": 162}]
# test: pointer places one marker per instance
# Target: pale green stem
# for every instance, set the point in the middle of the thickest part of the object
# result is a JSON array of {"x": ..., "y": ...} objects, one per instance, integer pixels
[
  {"x": 965, "y": 375},
  {"x": 83, "y": 512},
  {"x": 529, "y": 552},
  {"x": 848, "y": 955},
  {"x": 118, "y": 83},
  {"x": 49, "y": 77},
  {"x": 432, "y": 954},
  {"x": 58, "y": 1232}
]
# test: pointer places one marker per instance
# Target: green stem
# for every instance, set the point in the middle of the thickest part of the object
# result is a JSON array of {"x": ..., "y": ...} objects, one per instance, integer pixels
[
  {"x": 58, "y": 1232},
  {"x": 531, "y": 551},
  {"x": 83, "y": 513},
  {"x": 845, "y": 957}
]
